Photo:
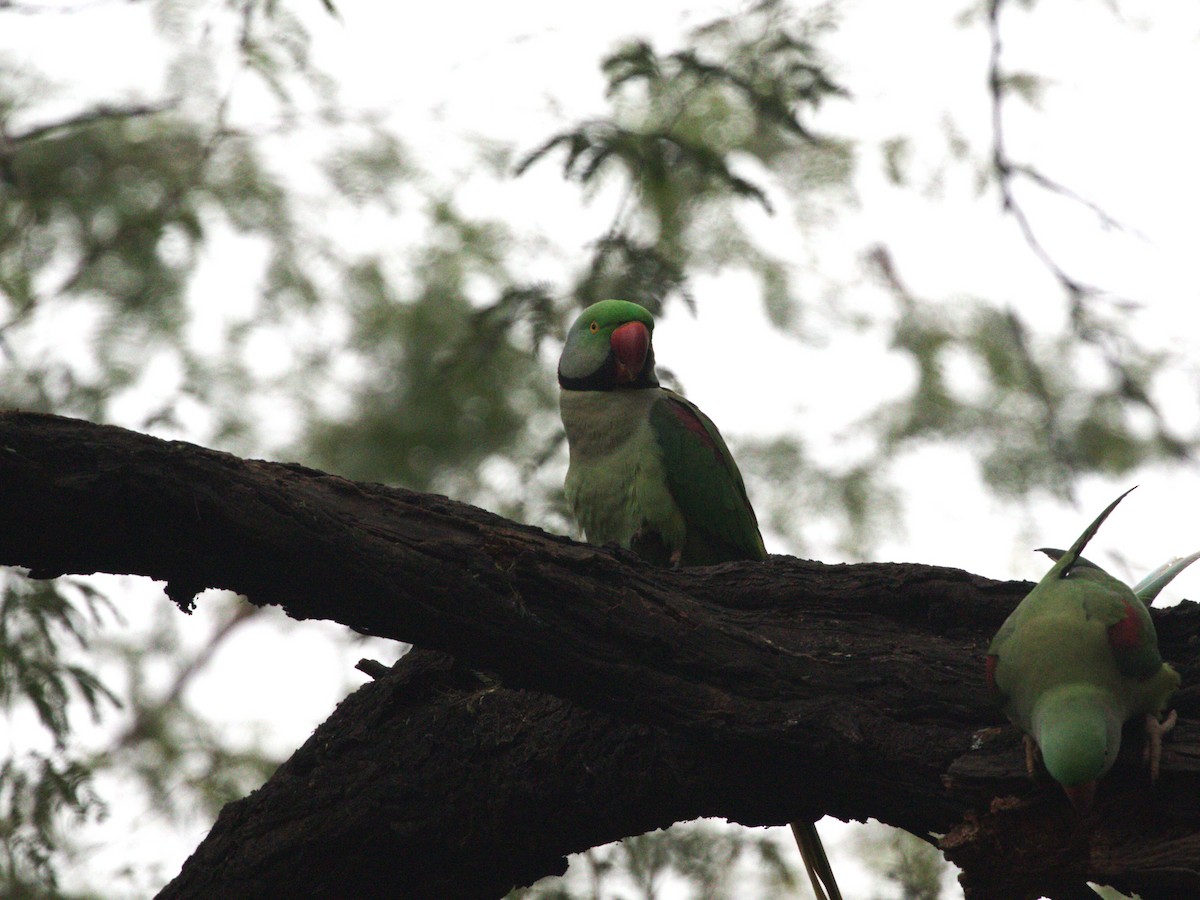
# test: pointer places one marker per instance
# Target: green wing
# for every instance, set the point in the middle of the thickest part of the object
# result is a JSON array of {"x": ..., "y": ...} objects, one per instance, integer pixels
[
  {"x": 1127, "y": 622},
  {"x": 706, "y": 485}
]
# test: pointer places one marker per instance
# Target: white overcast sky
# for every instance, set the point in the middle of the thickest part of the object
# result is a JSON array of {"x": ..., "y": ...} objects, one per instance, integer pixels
[{"x": 1117, "y": 124}]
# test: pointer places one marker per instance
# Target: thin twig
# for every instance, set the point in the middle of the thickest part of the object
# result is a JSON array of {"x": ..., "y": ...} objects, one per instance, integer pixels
[
  {"x": 1057, "y": 187},
  {"x": 42, "y": 9},
  {"x": 96, "y": 114},
  {"x": 1007, "y": 170}
]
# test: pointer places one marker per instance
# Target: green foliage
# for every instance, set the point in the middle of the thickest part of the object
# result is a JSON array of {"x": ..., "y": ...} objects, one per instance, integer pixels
[
  {"x": 447, "y": 379},
  {"x": 1039, "y": 424},
  {"x": 105, "y": 194},
  {"x": 36, "y": 620},
  {"x": 104, "y": 215},
  {"x": 429, "y": 362},
  {"x": 43, "y": 626},
  {"x": 366, "y": 173},
  {"x": 683, "y": 126},
  {"x": 1028, "y": 86},
  {"x": 791, "y": 484},
  {"x": 624, "y": 267},
  {"x": 37, "y": 795},
  {"x": 904, "y": 860},
  {"x": 100, "y": 210},
  {"x": 696, "y": 860}
]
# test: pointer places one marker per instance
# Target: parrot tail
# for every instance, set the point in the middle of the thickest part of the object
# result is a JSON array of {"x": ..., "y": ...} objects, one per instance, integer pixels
[{"x": 812, "y": 851}]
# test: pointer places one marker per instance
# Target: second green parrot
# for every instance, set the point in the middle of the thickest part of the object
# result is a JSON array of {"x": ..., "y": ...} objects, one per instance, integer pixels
[
  {"x": 650, "y": 472},
  {"x": 1077, "y": 659}
]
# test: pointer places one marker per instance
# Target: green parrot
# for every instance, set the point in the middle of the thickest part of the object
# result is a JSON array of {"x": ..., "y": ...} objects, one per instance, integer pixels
[
  {"x": 650, "y": 472},
  {"x": 1076, "y": 660}
]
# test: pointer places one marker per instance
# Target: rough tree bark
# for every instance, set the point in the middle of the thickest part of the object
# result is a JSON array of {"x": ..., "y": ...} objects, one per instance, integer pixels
[{"x": 593, "y": 696}]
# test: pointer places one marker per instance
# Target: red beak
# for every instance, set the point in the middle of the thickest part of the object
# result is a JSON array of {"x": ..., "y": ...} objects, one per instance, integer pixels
[
  {"x": 1081, "y": 796},
  {"x": 630, "y": 344}
]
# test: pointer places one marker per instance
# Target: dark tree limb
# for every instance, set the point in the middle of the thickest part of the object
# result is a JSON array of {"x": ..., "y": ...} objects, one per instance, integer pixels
[
  {"x": 627, "y": 697},
  {"x": 433, "y": 781}
]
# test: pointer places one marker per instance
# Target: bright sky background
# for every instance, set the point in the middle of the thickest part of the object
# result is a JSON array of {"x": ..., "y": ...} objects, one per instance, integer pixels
[{"x": 1117, "y": 126}]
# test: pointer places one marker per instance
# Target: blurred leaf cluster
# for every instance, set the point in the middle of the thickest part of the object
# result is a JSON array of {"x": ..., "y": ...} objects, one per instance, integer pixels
[
  {"x": 698, "y": 860},
  {"x": 706, "y": 860},
  {"x": 692, "y": 136},
  {"x": 1042, "y": 411},
  {"x": 44, "y": 784}
]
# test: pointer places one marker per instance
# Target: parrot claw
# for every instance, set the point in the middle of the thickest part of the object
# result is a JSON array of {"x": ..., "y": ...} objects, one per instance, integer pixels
[
  {"x": 676, "y": 556},
  {"x": 1031, "y": 749},
  {"x": 1154, "y": 735}
]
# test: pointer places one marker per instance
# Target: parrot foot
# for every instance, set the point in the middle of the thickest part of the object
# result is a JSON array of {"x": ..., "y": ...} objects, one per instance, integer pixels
[
  {"x": 676, "y": 556},
  {"x": 1031, "y": 752},
  {"x": 1154, "y": 735}
]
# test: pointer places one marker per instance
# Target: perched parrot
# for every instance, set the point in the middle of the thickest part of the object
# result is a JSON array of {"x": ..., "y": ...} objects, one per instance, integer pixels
[
  {"x": 650, "y": 472},
  {"x": 1076, "y": 660}
]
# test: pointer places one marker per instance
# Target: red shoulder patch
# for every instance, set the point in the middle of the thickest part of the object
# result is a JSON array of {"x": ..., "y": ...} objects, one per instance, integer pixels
[
  {"x": 990, "y": 672},
  {"x": 1126, "y": 635},
  {"x": 692, "y": 423}
]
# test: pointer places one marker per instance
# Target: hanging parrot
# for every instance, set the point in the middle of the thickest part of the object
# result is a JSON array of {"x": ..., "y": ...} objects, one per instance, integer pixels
[
  {"x": 1076, "y": 660},
  {"x": 650, "y": 472}
]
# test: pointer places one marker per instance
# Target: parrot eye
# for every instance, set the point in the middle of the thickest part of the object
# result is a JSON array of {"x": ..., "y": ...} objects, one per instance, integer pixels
[{"x": 594, "y": 327}]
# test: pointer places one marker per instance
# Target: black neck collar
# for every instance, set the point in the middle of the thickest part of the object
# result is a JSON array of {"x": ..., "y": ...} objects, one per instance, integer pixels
[{"x": 605, "y": 378}]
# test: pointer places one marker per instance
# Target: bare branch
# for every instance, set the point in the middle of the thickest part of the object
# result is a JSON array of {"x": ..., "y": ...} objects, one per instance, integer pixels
[
  {"x": 102, "y": 112},
  {"x": 1058, "y": 187},
  {"x": 28, "y": 9},
  {"x": 1007, "y": 171}
]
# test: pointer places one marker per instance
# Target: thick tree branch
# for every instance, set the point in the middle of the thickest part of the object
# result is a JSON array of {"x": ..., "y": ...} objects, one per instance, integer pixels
[
  {"x": 762, "y": 692},
  {"x": 437, "y": 782}
]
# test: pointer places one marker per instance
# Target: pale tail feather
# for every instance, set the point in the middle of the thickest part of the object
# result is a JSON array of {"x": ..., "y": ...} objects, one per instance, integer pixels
[{"x": 1149, "y": 586}]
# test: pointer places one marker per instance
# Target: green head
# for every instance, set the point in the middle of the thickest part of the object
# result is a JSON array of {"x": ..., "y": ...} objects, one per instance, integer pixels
[
  {"x": 608, "y": 348},
  {"x": 1079, "y": 737}
]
